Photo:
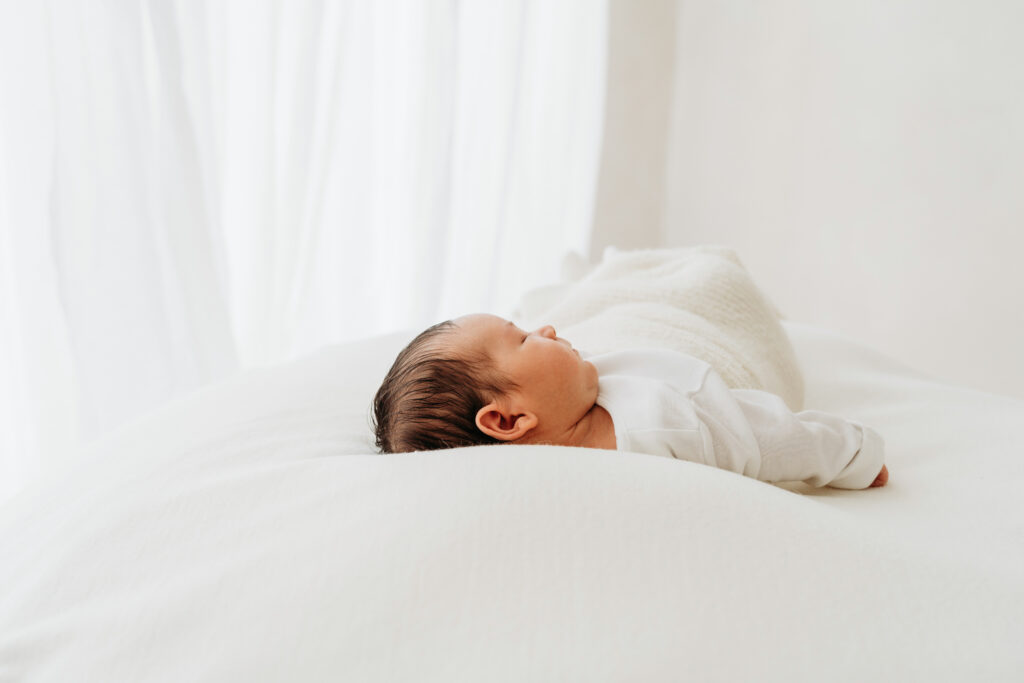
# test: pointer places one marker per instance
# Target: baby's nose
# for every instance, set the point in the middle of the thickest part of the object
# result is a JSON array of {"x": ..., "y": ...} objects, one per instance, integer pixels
[{"x": 547, "y": 331}]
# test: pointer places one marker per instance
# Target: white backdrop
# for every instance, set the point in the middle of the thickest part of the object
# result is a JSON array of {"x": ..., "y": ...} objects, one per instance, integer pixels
[
  {"x": 188, "y": 188},
  {"x": 869, "y": 157},
  {"x": 866, "y": 160}
]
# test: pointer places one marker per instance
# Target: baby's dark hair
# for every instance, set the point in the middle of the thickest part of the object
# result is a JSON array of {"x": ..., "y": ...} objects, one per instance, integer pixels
[{"x": 430, "y": 397}]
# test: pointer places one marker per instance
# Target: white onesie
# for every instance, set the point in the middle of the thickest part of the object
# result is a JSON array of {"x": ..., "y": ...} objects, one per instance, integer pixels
[{"x": 671, "y": 404}]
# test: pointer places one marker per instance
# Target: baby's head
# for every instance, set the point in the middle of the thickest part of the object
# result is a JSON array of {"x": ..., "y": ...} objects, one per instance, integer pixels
[{"x": 479, "y": 379}]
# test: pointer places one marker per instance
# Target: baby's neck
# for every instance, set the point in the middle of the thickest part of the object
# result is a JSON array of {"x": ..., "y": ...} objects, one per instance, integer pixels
[{"x": 596, "y": 429}]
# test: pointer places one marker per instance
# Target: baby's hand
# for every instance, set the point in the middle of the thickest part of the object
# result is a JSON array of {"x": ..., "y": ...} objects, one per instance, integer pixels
[{"x": 882, "y": 477}]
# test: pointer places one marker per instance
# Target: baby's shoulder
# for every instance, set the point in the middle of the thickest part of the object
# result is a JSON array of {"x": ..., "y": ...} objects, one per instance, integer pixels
[
  {"x": 681, "y": 371},
  {"x": 648, "y": 390}
]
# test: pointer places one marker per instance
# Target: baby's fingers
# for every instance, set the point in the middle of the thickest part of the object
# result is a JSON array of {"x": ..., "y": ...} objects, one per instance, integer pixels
[{"x": 882, "y": 477}]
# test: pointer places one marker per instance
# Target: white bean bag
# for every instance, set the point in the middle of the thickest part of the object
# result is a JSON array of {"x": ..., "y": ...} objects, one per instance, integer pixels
[{"x": 249, "y": 533}]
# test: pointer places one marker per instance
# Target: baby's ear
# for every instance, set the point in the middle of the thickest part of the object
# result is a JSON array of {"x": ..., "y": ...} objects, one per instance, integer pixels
[{"x": 499, "y": 422}]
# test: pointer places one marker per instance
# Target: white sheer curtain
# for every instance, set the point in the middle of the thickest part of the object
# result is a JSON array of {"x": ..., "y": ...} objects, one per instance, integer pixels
[{"x": 190, "y": 188}]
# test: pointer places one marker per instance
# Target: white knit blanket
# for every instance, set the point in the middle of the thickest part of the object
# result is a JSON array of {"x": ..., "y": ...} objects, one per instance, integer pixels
[{"x": 698, "y": 300}]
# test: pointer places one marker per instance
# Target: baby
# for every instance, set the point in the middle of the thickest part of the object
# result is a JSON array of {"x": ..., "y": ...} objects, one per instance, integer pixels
[{"x": 480, "y": 379}]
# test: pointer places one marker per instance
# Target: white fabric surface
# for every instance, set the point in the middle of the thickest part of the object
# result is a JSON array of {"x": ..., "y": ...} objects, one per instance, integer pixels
[
  {"x": 246, "y": 533},
  {"x": 700, "y": 300},
  {"x": 673, "y": 405}
]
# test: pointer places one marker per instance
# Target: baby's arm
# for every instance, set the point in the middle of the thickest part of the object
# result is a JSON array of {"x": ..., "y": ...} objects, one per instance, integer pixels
[{"x": 756, "y": 433}]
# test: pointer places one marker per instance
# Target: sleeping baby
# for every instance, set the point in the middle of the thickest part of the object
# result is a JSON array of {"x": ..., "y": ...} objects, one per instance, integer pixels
[{"x": 480, "y": 379}]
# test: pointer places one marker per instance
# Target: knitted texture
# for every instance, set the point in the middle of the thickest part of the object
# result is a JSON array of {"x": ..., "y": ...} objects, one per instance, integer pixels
[{"x": 698, "y": 300}]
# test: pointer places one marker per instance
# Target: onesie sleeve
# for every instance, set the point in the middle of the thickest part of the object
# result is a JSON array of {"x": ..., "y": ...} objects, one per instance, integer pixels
[{"x": 755, "y": 433}]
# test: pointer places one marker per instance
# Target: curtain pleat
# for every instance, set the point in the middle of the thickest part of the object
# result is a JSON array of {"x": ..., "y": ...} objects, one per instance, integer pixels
[{"x": 189, "y": 188}]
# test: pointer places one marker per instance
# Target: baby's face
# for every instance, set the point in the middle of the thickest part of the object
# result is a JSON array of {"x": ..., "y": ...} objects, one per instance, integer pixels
[{"x": 554, "y": 381}]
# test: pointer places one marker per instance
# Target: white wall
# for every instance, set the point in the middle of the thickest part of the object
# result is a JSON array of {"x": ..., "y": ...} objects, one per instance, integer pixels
[
  {"x": 630, "y": 207},
  {"x": 867, "y": 161}
]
